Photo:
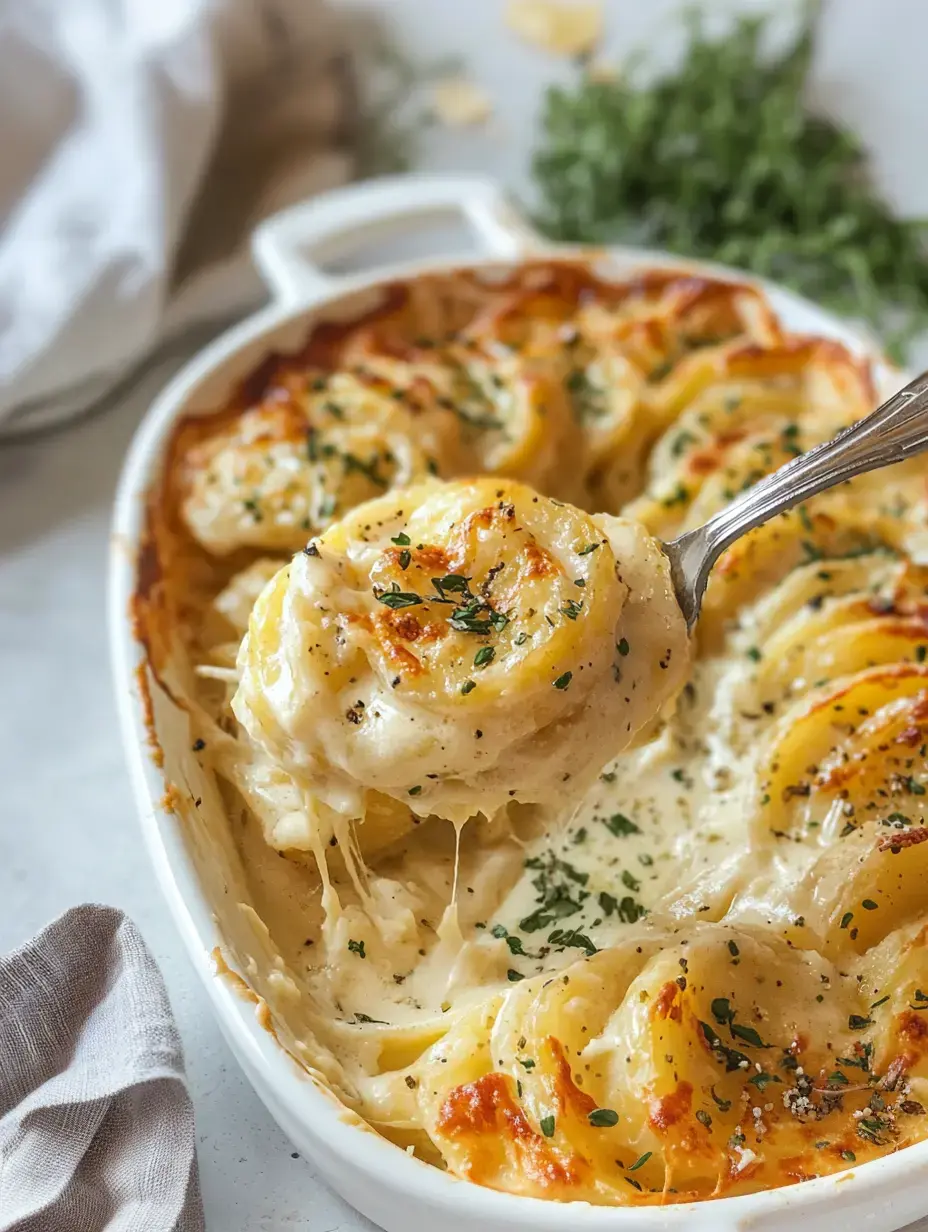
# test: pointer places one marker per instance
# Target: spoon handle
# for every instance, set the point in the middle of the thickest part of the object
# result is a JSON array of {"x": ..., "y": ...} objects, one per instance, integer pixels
[{"x": 896, "y": 430}]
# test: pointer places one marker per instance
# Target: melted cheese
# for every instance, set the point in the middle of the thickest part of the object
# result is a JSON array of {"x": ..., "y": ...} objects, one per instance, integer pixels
[{"x": 704, "y": 973}]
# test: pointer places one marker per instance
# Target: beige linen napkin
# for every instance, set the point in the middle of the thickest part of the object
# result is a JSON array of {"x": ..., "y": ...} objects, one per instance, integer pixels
[
  {"x": 96, "y": 1126},
  {"x": 141, "y": 143}
]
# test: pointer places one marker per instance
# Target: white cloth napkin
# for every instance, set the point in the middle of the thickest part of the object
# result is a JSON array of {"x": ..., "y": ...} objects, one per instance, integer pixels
[
  {"x": 140, "y": 141},
  {"x": 96, "y": 1126}
]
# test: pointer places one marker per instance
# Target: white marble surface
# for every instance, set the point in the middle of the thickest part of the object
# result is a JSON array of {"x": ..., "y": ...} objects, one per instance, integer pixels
[{"x": 68, "y": 831}]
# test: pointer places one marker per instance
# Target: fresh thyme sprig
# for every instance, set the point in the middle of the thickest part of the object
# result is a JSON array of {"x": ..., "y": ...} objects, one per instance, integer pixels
[{"x": 723, "y": 159}]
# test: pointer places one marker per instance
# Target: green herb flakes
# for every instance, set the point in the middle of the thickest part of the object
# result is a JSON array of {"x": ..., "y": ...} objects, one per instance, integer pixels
[
  {"x": 399, "y": 598},
  {"x": 603, "y": 1118},
  {"x": 620, "y": 825}
]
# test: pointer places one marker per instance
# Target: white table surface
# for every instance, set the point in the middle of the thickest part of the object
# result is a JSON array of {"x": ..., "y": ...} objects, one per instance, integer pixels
[{"x": 68, "y": 831}]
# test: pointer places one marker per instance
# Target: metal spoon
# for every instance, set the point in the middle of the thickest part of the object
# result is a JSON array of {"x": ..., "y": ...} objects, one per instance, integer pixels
[{"x": 893, "y": 432}]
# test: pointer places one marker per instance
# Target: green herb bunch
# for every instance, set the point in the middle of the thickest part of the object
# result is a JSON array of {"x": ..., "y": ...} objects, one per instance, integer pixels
[{"x": 723, "y": 160}]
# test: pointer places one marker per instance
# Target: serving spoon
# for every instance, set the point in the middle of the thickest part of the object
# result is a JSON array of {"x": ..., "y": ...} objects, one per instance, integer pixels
[{"x": 896, "y": 430}]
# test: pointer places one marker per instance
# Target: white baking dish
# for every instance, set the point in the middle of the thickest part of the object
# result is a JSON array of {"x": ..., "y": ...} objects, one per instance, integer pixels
[{"x": 196, "y": 866}]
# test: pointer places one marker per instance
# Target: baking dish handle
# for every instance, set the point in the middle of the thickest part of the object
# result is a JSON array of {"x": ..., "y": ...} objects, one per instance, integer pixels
[{"x": 288, "y": 246}]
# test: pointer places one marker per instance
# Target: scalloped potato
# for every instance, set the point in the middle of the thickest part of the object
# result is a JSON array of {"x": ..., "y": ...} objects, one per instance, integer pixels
[
  {"x": 460, "y": 646},
  {"x": 680, "y": 957},
  {"x": 287, "y": 468}
]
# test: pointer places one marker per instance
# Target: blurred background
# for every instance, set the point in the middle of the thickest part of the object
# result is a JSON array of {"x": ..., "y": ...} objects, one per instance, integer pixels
[{"x": 142, "y": 140}]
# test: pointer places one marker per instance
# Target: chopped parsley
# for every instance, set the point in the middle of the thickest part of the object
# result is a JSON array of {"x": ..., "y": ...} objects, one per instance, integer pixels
[
  {"x": 628, "y": 909},
  {"x": 763, "y": 1080},
  {"x": 570, "y": 937},
  {"x": 873, "y": 1129},
  {"x": 396, "y": 598},
  {"x": 556, "y": 896},
  {"x": 468, "y": 619},
  {"x": 860, "y": 1060},
  {"x": 357, "y": 947},
  {"x": 748, "y": 1034},
  {"x": 722, "y": 1011},
  {"x": 603, "y": 1118},
  {"x": 563, "y": 681},
  {"x": 608, "y": 903},
  {"x": 514, "y": 943},
  {"x": 733, "y": 1059},
  {"x": 620, "y": 825},
  {"x": 453, "y": 583}
]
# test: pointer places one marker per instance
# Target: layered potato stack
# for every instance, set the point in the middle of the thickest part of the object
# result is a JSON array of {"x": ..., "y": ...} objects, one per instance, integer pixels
[{"x": 759, "y": 1014}]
